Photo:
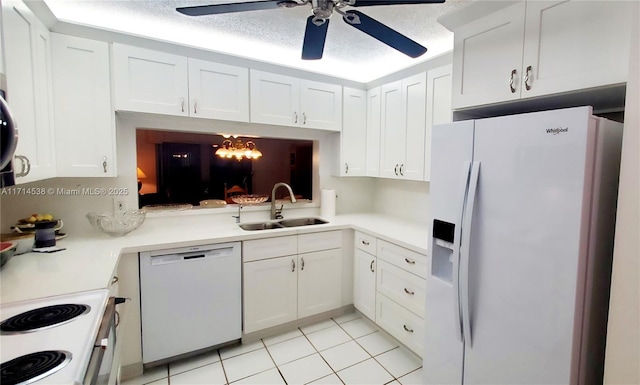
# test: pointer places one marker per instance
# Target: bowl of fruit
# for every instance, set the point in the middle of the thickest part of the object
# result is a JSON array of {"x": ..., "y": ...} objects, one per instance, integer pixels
[{"x": 28, "y": 224}]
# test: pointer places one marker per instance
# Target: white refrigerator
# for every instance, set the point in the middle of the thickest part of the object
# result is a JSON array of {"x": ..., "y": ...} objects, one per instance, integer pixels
[{"x": 522, "y": 239}]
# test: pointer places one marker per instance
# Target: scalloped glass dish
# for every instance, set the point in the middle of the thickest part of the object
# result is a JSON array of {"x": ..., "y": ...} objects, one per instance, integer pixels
[
  {"x": 251, "y": 199},
  {"x": 117, "y": 225}
]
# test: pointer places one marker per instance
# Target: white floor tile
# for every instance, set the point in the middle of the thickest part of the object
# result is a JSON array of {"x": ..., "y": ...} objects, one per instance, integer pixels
[
  {"x": 377, "y": 343},
  {"x": 305, "y": 370},
  {"x": 368, "y": 372},
  {"x": 204, "y": 375},
  {"x": 358, "y": 328},
  {"x": 282, "y": 337},
  {"x": 291, "y": 350},
  {"x": 327, "y": 338},
  {"x": 344, "y": 355},
  {"x": 331, "y": 379},
  {"x": 247, "y": 364},
  {"x": 394, "y": 382},
  {"x": 164, "y": 381},
  {"x": 399, "y": 361},
  {"x": 193, "y": 362},
  {"x": 319, "y": 326},
  {"x": 413, "y": 378},
  {"x": 236, "y": 350},
  {"x": 347, "y": 317},
  {"x": 149, "y": 375},
  {"x": 270, "y": 377}
]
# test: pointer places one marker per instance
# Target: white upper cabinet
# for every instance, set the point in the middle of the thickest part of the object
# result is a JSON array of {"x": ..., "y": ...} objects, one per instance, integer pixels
[
  {"x": 150, "y": 81},
  {"x": 373, "y": 132},
  {"x": 218, "y": 91},
  {"x": 28, "y": 70},
  {"x": 438, "y": 108},
  {"x": 535, "y": 48},
  {"x": 402, "y": 128},
  {"x": 288, "y": 101},
  {"x": 84, "y": 119},
  {"x": 353, "y": 143}
]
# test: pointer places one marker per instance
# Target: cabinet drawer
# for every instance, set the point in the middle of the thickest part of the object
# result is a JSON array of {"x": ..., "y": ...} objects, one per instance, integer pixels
[
  {"x": 407, "y": 327},
  {"x": 405, "y": 259},
  {"x": 319, "y": 241},
  {"x": 404, "y": 288},
  {"x": 365, "y": 242},
  {"x": 269, "y": 248}
]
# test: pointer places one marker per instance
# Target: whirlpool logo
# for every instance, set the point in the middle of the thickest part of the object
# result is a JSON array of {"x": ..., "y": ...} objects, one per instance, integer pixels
[{"x": 557, "y": 130}]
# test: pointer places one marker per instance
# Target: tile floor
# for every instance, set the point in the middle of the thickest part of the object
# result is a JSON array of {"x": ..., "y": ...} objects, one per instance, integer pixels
[{"x": 344, "y": 350}]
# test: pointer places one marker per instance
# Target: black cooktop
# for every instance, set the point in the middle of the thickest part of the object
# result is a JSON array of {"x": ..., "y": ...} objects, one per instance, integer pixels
[
  {"x": 42, "y": 317},
  {"x": 32, "y": 367}
]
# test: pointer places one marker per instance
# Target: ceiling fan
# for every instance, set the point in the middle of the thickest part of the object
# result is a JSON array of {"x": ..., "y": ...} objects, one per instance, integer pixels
[{"x": 317, "y": 24}]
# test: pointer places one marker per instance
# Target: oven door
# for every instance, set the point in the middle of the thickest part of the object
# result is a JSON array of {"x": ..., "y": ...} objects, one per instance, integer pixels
[{"x": 103, "y": 367}]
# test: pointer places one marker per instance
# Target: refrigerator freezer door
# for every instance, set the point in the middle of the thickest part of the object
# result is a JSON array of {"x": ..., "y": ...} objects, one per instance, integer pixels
[
  {"x": 525, "y": 246},
  {"x": 451, "y": 155}
]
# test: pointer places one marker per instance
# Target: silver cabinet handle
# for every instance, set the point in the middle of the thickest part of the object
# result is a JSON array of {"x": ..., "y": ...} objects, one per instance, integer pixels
[
  {"x": 407, "y": 329},
  {"x": 301, "y": 263},
  {"x": 371, "y": 266},
  {"x": 104, "y": 164},
  {"x": 409, "y": 291},
  {"x": 25, "y": 166},
  {"x": 295, "y": 117},
  {"x": 293, "y": 265},
  {"x": 195, "y": 106},
  {"x": 181, "y": 104},
  {"x": 410, "y": 261},
  {"x": 395, "y": 169},
  {"x": 115, "y": 279},
  {"x": 512, "y": 81},
  {"x": 402, "y": 169},
  {"x": 304, "y": 118},
  {"x": 346, "y": 168},
  {"x": 366, "y": 243},
  {"x": 527, "y": 85}
]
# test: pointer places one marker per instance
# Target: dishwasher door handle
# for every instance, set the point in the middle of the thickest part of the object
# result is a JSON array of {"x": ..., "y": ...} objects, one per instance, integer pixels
[{"x": 194, "y": 256}]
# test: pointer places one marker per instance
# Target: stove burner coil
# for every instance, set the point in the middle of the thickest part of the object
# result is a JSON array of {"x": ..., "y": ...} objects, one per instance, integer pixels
[
  {"x": 33, "y": 367},
  {"x": 43, "y": 317}
]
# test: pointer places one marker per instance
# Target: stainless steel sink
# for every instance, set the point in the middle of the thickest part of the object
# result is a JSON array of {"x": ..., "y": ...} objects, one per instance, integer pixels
[
  {"x": 260, "y": 226},
  {"x": 295, "y": 222},
  {"x": 302, "y": 222}
]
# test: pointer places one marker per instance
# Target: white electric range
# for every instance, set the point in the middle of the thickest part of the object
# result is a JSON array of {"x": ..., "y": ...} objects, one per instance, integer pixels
[{"x": 50, "y": 340}]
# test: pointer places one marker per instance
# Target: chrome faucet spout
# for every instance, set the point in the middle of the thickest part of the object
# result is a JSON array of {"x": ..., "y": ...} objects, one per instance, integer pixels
[{"x": 277, "y": 214}]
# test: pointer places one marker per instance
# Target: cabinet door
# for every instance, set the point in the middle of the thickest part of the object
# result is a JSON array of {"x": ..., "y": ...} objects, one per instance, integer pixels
[
  {"x": 270, "y": 292},
  {"x": 150, "y": 81},
  {"x": 28, "y": 71},
  {"x": 353, "y": 141},
  {"x": 275, "y": 99},
  {"x": 320, "y": 105},
  {"x": 571, "y": 45},
  {"x": 392, "y": 129},
  {"x": 319, "y": 282},
  {"x": 438, "y": 108},
  {"x": 364, "y": 283},
  {"x": 486, "y": 52},
  {"x": 373, "y": 132},
  {"x": 218, "y": 91},
  {"x": 85, "y": 127},
  {"x": 414, "y": 100}
]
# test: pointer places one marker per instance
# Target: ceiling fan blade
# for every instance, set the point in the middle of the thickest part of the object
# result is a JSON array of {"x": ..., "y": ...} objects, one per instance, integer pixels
[
  {"x": 314, "y": 37},
  {"x": 214, "y": 9},
  {"x": 369, "y": 3},
  {"x": 383, "y": 33}
]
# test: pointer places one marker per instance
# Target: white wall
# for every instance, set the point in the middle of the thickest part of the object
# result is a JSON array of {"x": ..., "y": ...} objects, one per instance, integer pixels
[
  {"x": 407, "y": 200},
  {"x": 622, "y": 361}
]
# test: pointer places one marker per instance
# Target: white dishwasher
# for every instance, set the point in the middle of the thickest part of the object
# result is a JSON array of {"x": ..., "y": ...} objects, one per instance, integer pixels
[{"x": 190, "y": 299}]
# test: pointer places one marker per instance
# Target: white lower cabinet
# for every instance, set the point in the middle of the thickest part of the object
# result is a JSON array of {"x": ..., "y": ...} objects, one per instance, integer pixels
[
  {"x": 389, "y": 288},
  {"x": 282, "y": 283}
]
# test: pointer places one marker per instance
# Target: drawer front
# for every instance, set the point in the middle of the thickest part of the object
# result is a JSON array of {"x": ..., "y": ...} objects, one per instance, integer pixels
[
  {"x": 405, "y": 259},
  {"x": 404, "y": 288},
  {"x": 325, "y": 240},
  {"x": 365, "y": 242},
  {"x": 258, "y": 249},
  {"x": 407, "y": 327}
]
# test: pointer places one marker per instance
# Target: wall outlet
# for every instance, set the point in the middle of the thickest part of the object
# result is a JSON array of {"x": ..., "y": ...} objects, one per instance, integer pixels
[{"x": 119, "y": 205}]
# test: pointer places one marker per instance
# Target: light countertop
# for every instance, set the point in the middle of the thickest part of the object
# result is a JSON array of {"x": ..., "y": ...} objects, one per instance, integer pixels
[{"x": 90, "y": 262}]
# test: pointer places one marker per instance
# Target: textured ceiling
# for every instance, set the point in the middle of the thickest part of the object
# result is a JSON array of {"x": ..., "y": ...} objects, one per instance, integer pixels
[{"x": 273, "y": 36}]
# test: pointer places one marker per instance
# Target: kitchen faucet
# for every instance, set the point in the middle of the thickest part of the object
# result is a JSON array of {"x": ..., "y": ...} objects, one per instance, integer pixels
[{"x": 278, "y": 214}]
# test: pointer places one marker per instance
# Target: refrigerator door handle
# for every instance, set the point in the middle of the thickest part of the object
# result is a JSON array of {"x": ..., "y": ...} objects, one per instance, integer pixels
[{"x": 464, "y": 252}]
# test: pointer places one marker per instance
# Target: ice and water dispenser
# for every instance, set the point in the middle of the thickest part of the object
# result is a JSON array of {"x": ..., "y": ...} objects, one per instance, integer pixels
[{"x": 443, "y": 249}]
